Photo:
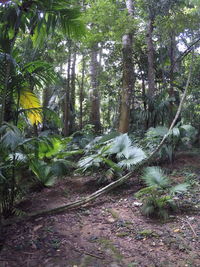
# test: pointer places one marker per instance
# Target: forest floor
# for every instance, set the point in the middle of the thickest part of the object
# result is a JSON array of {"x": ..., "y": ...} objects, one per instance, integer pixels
[{"x": 109, "y": 232}]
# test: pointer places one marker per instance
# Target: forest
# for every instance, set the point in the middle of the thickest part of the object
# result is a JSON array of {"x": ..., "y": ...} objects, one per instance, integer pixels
[{"x": 100, "y": 133}]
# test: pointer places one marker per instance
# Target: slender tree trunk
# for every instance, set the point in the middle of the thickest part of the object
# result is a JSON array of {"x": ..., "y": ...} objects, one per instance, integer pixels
[
  {"x": 172, "y": 66},
  {"x": 6, "y": 109},
  {"x": 144, "y": 93},
  {"x": 128, "y": 76},
  {"x": 150, "y": 72},
  {"x": 150, "y": 56},
  {"x": 81, "y": 95},
  {"x": 94, "y": 94},
  {"x": 73, "y": 93},
  {"x": 7, "y": 97},
  {"x": 66, "y": 112}
]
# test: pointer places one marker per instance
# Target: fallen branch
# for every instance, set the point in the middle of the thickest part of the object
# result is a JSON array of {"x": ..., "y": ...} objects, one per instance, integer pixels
[
  {"x": 88, "y": 253},
  {"x": 112, "y": 185},
  {"x": 191, "y": 227}
]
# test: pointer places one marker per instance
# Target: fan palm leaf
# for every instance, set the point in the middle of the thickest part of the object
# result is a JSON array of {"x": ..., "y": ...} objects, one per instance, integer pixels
[{"x": 154, "y": 176}]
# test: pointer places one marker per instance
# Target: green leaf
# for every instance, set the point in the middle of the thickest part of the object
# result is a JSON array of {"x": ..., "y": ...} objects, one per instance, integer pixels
[
  {"x": 180, "y": 188},
  {"x": 112, "y": 164},
  {"x": 11, "y": 137},
  {"x": 154, "y": 176},
  {"x": 120, "y": 145},
  {"x": 43, "y": 172}
]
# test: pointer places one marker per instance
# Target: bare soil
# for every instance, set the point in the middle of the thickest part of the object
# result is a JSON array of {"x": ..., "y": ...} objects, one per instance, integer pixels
[{"x": 109, "y": 232}]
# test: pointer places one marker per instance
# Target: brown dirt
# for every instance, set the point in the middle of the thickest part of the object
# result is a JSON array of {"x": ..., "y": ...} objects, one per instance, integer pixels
[{"x": 110, "y": 232}]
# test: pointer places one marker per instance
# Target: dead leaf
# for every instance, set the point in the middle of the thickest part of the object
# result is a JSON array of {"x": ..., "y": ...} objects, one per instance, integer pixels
[{"x": 177, "y": 230}]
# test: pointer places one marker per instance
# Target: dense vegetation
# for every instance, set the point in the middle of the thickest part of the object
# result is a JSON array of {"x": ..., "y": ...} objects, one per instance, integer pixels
[{"x": 92, "y": 87}]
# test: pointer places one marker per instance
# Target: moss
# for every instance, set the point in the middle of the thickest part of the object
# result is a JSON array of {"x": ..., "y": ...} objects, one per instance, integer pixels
[
  {"x": 114, "y": 214},
  {"x": 122, "y": 234},
  {"x": 146, "y": 233}
]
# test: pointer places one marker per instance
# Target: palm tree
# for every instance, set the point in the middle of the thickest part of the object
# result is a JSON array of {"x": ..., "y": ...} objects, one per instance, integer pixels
[{"x": 37, "y": 19}]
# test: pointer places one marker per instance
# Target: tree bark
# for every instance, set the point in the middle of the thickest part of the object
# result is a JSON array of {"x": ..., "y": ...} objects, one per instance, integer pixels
[
  {"x": 128, "y": 76},
  {"x": 171, "y": 77},
  {"x": 81, "y": 95},
  {"x": 73, "y": 93},
  {"x": 66, "y": 106},
  {"x": 7, "y": 95},
  {"x": 150, "y": 56},
  {"x": 94, "y": 93}
]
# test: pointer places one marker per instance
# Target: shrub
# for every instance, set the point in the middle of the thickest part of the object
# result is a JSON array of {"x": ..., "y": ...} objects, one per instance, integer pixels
[
  {"x": 112, "y": 154},
  {"x": 158, "y": 196}
]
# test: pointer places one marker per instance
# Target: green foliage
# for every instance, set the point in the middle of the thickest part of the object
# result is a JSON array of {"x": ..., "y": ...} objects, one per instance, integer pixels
[
  {"x": 106, "y": 20},
  {"x": 112, "y": 154},
  {"x": 43, "y": 172},
  {"x": 35, "y": 49},
  {"x": 47, "y": 157},
  {"x": 40, "y": 18},
  {"x": 154, "y": 176},
  {"x": 157, "y": 197},
  {"x": 49, "y": 149},
  {"x": 10, "y": 164},
  {"x": 178, "y": 137}
]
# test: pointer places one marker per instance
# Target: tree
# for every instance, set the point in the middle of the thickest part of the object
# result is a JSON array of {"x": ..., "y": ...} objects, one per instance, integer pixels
[
  {"x": 25, "y": 17},
  {"x": 94, "y": 93},
  {"x": 128, "y": 75}
]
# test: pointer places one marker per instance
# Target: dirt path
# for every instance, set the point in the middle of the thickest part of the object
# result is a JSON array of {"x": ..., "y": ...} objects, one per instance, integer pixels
[{"x": 111, "y": 232}]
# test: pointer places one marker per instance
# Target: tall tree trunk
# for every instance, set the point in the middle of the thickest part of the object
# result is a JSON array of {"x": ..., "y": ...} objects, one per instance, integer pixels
[
  {"x": 7, "y": 113},
  {"x": 128, "y": 76},
  {"x": 81, "y": 95},
  {"x": 150, "y": 56},
  {"x": 172, "y": 66},
  {"x": 73, "y": 93},
  {"x": 7, "y": 102},
  {"x": 94, "y": 95},
  {"x": 150, "y": 72},
  {"x": 66, "y": 106}
]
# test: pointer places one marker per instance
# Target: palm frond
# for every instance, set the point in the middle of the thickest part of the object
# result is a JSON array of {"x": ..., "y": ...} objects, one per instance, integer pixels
[
  {"x": 159, "y": 131},
  {"x": 154, "y": 176},
  {"x": 31, "y": 104},
  {"x": 188, "y": 131},
  {"x": 133, "y": 156},
  {"x": 43, "y": 172},
  {"x": 179, "y": 188},
  {"x": 52, "y": 116},
  {"x": 120, "y": 145},
  {"x": 62, "y": 167},
  {"x": 57, "y": 14},
  {"x": 50, "y": 148},
  {"x": 11, "y": 137},
  {"x": 89, "y": 161}
]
